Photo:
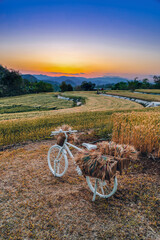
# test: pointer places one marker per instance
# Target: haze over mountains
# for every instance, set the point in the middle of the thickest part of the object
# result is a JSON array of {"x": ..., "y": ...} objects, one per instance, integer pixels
[{"x": 75, "y": 81}]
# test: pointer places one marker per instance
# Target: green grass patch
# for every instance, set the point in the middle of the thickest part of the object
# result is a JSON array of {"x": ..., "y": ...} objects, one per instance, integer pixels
[
  {"x": 33, "y": 102},
  {"x": 19, "y": 108},
  {"x": 76, "y": 98}
]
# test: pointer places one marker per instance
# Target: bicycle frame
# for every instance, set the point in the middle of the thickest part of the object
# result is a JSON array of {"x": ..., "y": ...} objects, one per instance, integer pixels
[{"x": 68, "y": 150}]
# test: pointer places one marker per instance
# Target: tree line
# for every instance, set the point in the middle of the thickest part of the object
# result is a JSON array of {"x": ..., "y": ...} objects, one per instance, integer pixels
[
  {"x": 85, "y": 86},
  {"x": 12, "y": 84},
  {"x": 135, "y": 84}
]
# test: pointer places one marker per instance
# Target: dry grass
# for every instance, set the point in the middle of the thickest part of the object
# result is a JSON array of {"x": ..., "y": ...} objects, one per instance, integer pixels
[
  {"x": 126, "y": 93},
  {"x": 148, "y": 90},
  {"x": 36, "y": 205},
  {"x": 95, "y": 102}
]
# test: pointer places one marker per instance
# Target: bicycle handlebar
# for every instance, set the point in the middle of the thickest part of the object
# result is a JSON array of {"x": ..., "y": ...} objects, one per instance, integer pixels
[{"x": 61, "y": 131}]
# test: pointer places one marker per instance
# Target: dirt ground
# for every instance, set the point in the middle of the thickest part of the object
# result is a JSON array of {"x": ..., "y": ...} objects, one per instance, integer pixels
[{"x": 36, "y": 205}]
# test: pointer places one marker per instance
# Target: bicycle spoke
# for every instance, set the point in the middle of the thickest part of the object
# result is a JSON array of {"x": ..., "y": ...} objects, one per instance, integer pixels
[
  {"x": 101, "y": 186},
  {"x": 103, "y": 190},
  {"x": 58, "y": 167}
]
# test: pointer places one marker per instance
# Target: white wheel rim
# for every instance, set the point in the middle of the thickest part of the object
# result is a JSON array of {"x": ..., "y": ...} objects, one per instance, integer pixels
[
  {"x": 57, "y": 163},
  {"x": 101, "y": 183}
]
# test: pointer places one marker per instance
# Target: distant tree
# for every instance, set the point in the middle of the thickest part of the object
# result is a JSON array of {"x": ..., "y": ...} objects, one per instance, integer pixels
[
  {"x": 65, "y": 87},
  {"x": 120, "y": 86},
  {"x": 87, "y": 86},
  {"x": 157, "y": 81},
  {"x": 43, "y": 87},
  {"x": 70, "y": 88},
  {"x": 135, "y": 84},
  {"x": 78, "y": 88},
  {"x": 145, "y": 83}
]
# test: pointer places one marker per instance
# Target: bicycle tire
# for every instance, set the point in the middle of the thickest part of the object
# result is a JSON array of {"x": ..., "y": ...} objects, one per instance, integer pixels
[
  {"x": 106, "y": 192},
  {"x": 57, "y": 161}
]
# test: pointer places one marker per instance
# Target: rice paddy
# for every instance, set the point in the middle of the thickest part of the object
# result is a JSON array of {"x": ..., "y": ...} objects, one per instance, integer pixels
[
  {"x": 126, "y": 93},
  {"x": 148, "y": 91},
  {"x": 93, "y": 103},
  {"x": 33, "y": 102}
]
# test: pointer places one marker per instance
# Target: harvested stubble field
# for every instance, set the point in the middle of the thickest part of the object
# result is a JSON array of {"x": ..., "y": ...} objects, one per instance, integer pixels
[
  {"x": 148, "y": 90},
  {"x": 36, "y": 205},
  {"x": 126, "y": 93}
]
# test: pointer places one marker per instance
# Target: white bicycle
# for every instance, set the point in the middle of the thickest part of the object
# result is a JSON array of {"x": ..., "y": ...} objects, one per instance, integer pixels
[{"x": 58, "y": 164}]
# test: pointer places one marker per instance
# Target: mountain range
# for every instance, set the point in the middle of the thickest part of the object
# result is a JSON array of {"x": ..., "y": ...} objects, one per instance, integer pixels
[
  {"x": 29, "y": 77},
  {"x": 75, "y": 81}
]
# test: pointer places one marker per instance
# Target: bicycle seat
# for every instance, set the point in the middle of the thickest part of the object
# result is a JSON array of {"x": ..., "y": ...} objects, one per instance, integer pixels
[{"x": 89, "y": 146}]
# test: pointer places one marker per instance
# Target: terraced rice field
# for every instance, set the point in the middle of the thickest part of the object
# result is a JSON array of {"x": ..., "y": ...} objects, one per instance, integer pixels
[
  {"x": 94, "y": 103},
  {"x": 33, "y": 102}
]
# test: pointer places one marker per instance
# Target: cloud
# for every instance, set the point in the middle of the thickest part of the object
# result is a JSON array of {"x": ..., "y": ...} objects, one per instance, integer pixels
[{"x": 60, "y": 73}]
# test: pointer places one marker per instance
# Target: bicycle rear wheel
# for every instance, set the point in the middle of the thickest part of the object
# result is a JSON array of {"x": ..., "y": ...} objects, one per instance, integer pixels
[
  {"x": 57, "y": 161},
  {"x": 104, "y": 189}
]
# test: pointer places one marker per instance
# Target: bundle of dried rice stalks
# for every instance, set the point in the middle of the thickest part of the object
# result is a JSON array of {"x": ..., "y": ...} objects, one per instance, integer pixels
[
  {"x": 118, "y": 150},
  {"x": 122, "y": 163},
  {"x": 61, "y": 137},
  {"x": 106, "y": 160},
  {"x": 95, "y": 165}
]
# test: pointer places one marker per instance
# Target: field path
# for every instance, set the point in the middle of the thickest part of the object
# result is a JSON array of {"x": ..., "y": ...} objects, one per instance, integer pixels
[{"x": 36, "y": 205}]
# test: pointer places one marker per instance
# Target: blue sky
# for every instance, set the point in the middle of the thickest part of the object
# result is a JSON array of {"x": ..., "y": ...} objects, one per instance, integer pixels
[{"x": 94, "y": 37}]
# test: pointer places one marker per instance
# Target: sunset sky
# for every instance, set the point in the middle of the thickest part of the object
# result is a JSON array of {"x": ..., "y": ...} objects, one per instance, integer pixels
[{"x": 81, "y": 37}]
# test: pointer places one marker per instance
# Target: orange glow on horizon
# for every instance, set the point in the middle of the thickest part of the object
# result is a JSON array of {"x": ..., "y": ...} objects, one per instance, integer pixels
[
  {"x": 78, "y": 59},
  {"x": 80, "y": 64}
]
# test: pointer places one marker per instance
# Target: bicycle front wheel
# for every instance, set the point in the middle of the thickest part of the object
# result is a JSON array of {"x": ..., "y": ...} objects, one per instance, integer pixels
[
  {"x": 57, "y": 161},
  {"x": 104, "y": 189}
]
